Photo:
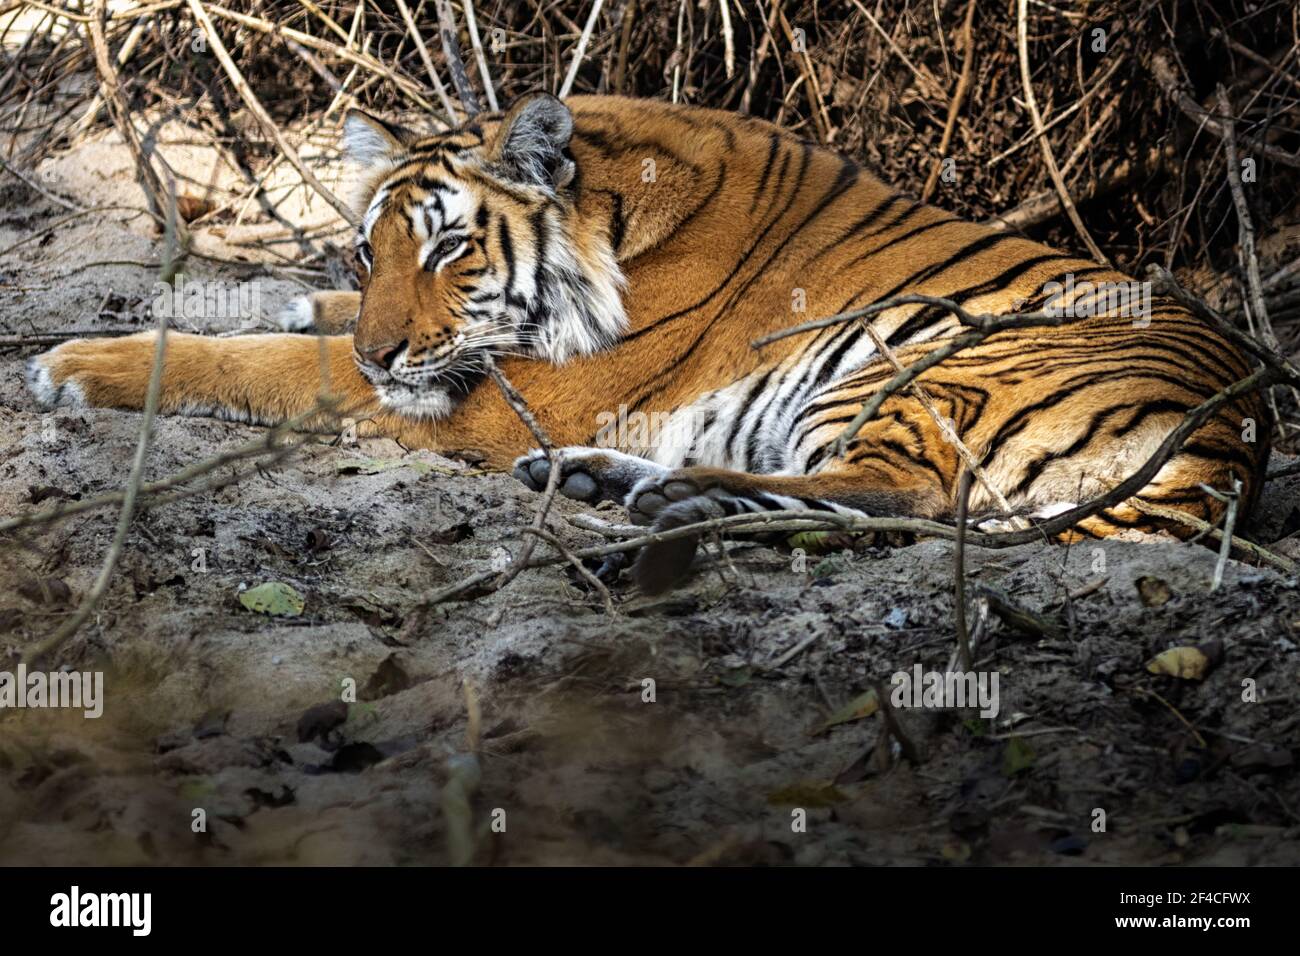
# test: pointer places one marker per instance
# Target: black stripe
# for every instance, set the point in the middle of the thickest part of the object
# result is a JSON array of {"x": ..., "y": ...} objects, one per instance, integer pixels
[{"x": 773, "y": 146}]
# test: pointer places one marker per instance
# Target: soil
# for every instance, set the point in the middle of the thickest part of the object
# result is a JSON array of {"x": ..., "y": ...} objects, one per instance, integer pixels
[{"x": 213, "y": 707}]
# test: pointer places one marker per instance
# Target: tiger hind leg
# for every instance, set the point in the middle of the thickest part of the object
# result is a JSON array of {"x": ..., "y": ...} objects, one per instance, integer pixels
[{"x": 687, "y": 496}]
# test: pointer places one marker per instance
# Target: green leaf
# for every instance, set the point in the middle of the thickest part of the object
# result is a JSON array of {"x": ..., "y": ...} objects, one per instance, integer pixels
[
  {"x": 362, "y": 711},
  {"x": 275, "y": 598},
  {"x": 1019, "y": 756},
  {"x": 736, "y": 676},
  {"x": 829, "y": 566},
  {"x": 196, "y": 789}
]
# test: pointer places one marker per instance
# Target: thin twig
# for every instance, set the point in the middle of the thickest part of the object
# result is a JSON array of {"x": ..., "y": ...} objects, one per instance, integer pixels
[
  {"x": 581, "y": 50},
  {"x": 945, "y": 427},
  {"x": 1049, "y": 160},
  {"x": 405, "y": 85},
  {"x": 1168, "y": 81},
  {"x": 268, "y": 125},
  {"x": 958, "y": 98},
  {"x": 1246, "y": 228},
  {"x": 52, "y": 197},
  {"x": 959, "y": 570},
  {"x": 516, "y": 402},
  {"x": 1204, "y": 527},
  {"x": 132, "y": 490},
  {"x": 159, "y": 198},
  {"x": 428, "y": 61},
  {"x": 455, "y": 65},
  {"x": 581, "y": 568},
  {"x": 477, "y": 46}
]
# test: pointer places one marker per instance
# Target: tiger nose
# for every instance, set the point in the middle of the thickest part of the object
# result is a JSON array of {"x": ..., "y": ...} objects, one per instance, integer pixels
[{"x": 384, "y": 356}]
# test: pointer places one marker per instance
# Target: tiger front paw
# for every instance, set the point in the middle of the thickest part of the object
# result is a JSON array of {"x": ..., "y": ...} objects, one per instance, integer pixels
[
  {"x": 587, "y": 474},
  {"x": 50, "y": 381},
  {"x": 93, "y": 372}
]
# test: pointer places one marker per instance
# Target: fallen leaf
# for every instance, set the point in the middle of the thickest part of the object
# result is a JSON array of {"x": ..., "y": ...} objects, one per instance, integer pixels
[
  {"x": 1018, "y": 757},
  {"x": 812, "y": 793},
  {"x": 1153, "y": 591},
  {"x": 318, "y": 541},
  {"x": 864, "y": 705},
  {"x": 956, "y": 851},
  {"x": 1262, "y": 757},
  {"x": 1068, "y": 845},
  {"x": 828, "y": 566},
  {"x": 39, "y": 493},
  {"x": 195, "y": 790},
  {"x": 211, "y": 724},
  {"x": 1187, "y": 663},
  {"x": 275, "y": 598},
  {"x": 454, "y": 534},
  {"x": 736, "y": 676},
  {"x": 355, "y": 757},
  {"x": 821, "y": 542},
  {"x": 192, "y": 207},
  {"x": 389, "y": 678}
]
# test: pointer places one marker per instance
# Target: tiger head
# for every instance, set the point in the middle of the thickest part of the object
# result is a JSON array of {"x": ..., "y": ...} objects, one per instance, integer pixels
[{"x": 471, "y": 246}]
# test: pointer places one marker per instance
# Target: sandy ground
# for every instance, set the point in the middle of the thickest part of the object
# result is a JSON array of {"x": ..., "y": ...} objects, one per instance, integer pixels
[{"x": 215, "y": 708}]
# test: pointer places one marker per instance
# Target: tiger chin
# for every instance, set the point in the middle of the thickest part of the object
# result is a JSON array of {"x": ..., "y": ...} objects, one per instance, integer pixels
[{"x": 619, "y": 258}]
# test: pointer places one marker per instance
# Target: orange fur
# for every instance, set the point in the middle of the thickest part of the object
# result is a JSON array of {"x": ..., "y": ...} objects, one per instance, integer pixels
[{"x": 737, "y": 223}]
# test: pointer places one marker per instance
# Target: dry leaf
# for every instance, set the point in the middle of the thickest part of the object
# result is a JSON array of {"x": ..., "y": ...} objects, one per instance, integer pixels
[
  {"x": 1188, "y": 663},
  {"x": 1153, "y": 591},
  {"x": 864, "y": 705}
]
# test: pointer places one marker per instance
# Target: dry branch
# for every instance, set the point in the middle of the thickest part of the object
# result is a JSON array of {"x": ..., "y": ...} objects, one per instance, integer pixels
[
  {"x": 1168, "y": 80},
  {"x": 1246, "y": 243},
  {"x": 455, "y": 65},
  {"x": 159, "y": 198},
  {"x": 428, "y": 61},
  {"x": 477, "y": 46},
  {"x": 134, "y": 479},
  {"x": 268, "y": 125},
  {"x": 581, "y": 50},
  {"x": 1049, "y": 160},
  {"x": 958, "y": 98}
]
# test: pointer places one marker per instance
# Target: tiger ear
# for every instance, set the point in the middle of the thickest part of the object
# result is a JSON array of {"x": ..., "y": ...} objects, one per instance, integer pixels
[
  {"x": 369, "y": 141},
  {"x": 532, "y": 144}
]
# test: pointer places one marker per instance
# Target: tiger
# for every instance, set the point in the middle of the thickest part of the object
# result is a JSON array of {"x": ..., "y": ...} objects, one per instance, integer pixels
[{"x": 620, "y": 260}]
